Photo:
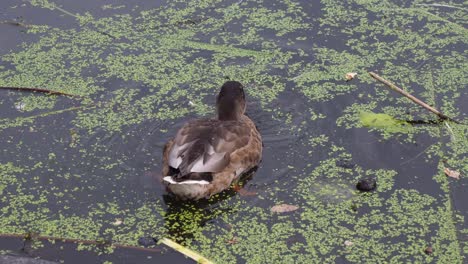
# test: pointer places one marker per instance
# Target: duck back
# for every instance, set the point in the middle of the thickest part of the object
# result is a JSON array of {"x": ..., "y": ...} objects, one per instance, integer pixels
[{"x": 203, "y": 147}]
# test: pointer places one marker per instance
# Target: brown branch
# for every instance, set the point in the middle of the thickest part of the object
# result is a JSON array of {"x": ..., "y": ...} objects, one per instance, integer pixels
[
  {"x": 39, "y": 90},
  {"x": 411, "y": 97},
  {"x": 15, "y": 23},
  {"x": 31, "y": 236}
]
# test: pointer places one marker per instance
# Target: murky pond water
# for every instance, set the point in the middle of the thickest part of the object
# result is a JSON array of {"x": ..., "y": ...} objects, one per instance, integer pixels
[{"x": 87, "y": 169}]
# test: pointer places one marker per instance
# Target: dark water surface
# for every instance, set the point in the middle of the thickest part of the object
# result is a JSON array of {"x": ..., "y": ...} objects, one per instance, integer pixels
[{"x": 88, "y": 168}]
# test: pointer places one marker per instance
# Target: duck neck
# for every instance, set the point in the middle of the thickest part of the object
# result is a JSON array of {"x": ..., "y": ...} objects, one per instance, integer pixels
[
  {"x": 229, "y": 111},
  {"x": 228, "y": 116}
]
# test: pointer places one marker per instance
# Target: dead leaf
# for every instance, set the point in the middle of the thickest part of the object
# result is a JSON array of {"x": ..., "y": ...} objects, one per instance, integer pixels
[
  {"x": 429, "y": 250},
  {"x": 244, "y": 192},
  {"x": 348, "y": 243},
  {"x": 350, "y": 75},
  {"x": 20, "y": 106},
  {"x": 118, "y": 221},
  {"x": 452, "y": 173},
  {"x": 284, "y": 208},
  {"x": 232, "y": 241}
]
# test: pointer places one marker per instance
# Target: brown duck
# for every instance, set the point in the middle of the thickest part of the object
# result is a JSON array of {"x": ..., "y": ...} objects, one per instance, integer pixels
[{"x": 207, "y": 155}]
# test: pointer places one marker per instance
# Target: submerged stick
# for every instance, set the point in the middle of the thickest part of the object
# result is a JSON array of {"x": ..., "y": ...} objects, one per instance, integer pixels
[
  {"x": 14, "y": 23},
  {"x": 30, "y": 236},
  {"x": 39, "y": 90},
  {"x": 442, "y": 5},
  {"x": 411, "y": 97},
  {"x": 187, "y": 252}
]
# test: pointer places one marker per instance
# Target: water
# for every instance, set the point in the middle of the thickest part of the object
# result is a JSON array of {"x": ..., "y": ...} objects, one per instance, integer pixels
[{"x": 89, "y": 169}]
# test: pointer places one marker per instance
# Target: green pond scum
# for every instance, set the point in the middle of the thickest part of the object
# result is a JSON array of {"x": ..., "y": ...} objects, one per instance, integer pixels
[
  {"x": 384, "y": 122},
  {"x": 75, "y": 167}
]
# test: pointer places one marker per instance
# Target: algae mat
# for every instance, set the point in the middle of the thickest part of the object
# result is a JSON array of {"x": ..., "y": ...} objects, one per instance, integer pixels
[{"x": 87, "y": 167}]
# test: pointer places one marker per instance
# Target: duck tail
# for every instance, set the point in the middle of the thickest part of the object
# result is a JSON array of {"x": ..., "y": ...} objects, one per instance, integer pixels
[{"x": 176, "y": 177}]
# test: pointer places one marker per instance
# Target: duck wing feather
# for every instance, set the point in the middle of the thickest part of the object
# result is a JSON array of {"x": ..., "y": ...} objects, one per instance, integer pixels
[{"x": 205, "y": 145}]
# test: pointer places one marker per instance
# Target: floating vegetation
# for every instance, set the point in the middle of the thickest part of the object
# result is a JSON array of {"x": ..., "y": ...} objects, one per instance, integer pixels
[{"x": 384, "y": 121}]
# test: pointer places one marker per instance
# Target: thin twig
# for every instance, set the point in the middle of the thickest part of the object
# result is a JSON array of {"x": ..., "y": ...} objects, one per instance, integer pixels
[
  {"x": 452, "y": 135},
  {"x": 415, "y": 157},
  {"x": 40, "y": 90},
  {"x": 442, "y": 19},
  {"x": 53, "y": 6},
  {"x": 19, "y": 121},
  {"x": 30, "y": 236},
  {"x": 423, "y": 11},
  {"x": 411, "y": 97},
  {"x": 442, "y": 5}
]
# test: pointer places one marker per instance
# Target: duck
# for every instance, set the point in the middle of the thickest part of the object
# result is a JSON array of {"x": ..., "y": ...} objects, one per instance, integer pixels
[{"x": 207, "y": 155}]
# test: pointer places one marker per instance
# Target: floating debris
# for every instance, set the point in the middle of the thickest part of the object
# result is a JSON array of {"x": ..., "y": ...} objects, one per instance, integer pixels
[
  {"x": 283, "y": 208},
  {"x": 244, "y": 192},
  {"x": 452, "y": 173},
  {"x": 429, "y": 250},
  {"x": 20, "y": 106},
  {"x": 232, "y": 241},
  {"x": 146, "y": 241},
  {"x": 411, "y": 97},
  {"x": 350, "y": 75},
  {"x": 347, "y": 164},
  {"x": 118, "y": 221},
  {"x": 348, "y": 243},
  {"x": 366, "y": 184},
  {"x": 187, "y": 252}
]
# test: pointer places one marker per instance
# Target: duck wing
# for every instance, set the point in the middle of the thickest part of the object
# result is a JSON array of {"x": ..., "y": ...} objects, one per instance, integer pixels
[{"x": 205, "y": 145}]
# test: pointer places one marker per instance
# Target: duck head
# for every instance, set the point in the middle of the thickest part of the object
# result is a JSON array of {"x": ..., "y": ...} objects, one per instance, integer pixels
[{"x": 230, "y": 102}]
